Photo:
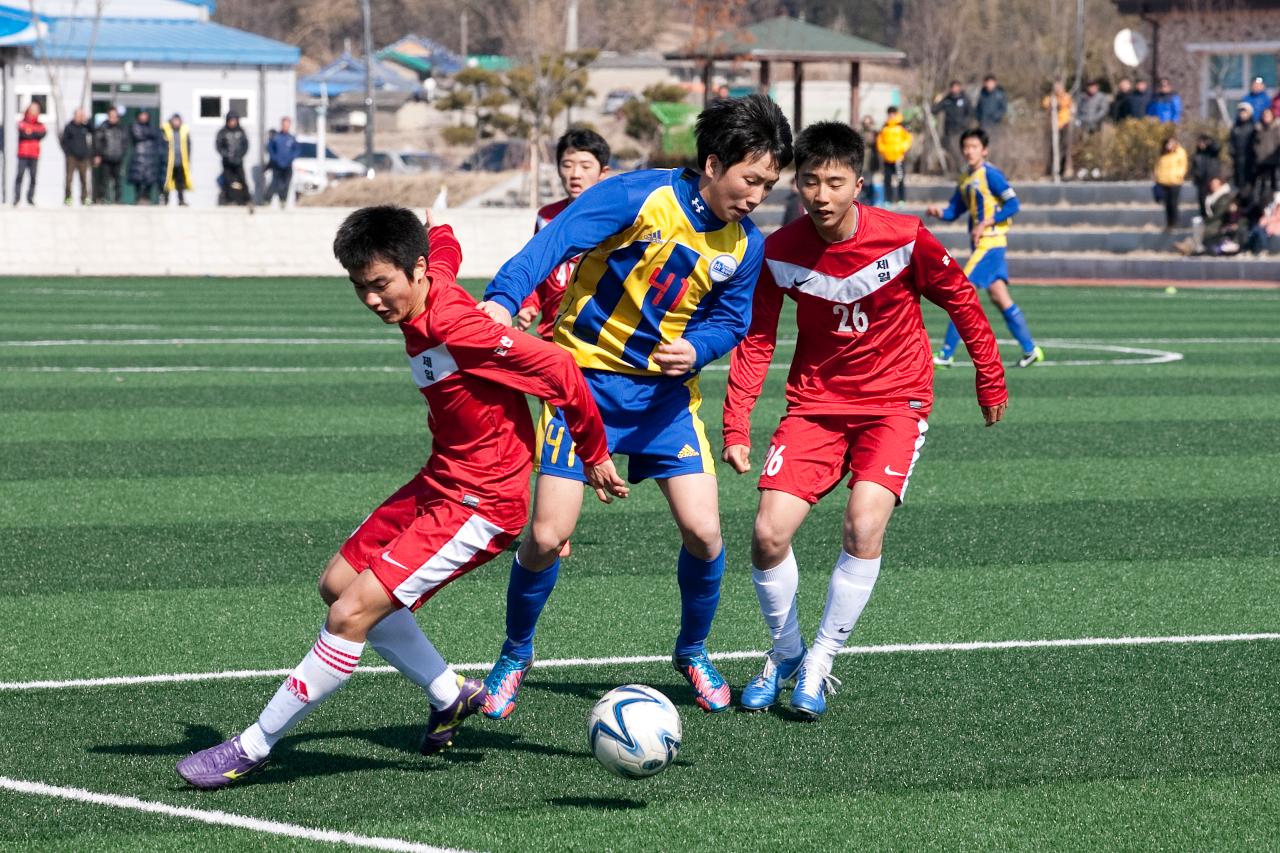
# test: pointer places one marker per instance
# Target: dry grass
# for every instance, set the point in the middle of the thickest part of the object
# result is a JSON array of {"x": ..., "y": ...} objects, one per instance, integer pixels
[{"x": 412, "y": 191}]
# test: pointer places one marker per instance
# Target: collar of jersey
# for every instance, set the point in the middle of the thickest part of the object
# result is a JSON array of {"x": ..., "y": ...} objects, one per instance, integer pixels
[{"x": 686, "y": 187}]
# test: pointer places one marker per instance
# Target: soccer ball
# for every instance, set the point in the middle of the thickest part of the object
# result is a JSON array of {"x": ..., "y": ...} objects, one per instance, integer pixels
[{"x": 634, "y": 731}]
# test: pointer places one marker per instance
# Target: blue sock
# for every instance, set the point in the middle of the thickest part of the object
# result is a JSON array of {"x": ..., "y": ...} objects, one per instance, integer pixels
[
  {"x": 699, "y": 596},
  {"x": 1018, "y": 326},
  {"x": 527, "y": 592},
  {"x": 951, "y": 341}
]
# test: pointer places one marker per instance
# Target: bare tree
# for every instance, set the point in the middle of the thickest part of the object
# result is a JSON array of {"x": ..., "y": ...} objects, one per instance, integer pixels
[{"x": 44, "y": 48}]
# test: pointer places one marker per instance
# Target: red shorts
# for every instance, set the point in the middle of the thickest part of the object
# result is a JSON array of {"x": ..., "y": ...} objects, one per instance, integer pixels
[
  {"x": 809, "y": 454},
  {"x": 417, "y": 542}
]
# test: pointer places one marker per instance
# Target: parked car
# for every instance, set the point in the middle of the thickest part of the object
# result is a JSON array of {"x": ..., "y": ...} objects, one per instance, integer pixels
[
  {"x": 306, "y": 168},
  {"x": 501, "y": 156},
  {"x": 402, "y": 162},
  {"x": 616, "y": 100}
]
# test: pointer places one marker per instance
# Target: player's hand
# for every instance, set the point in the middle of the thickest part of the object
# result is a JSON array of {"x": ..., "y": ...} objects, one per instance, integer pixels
[
  {"x": 431, "y": 220},
  {"x": 738, "y": 456},
  {"x": 496, "y": 311},
  {"x": 605, "y": 480},
  {"x": 934, "y": 210},
  {"x": 676, "y": 358},
  {"x": 980, "y": 228},
  {"x": 994, "y": 414},
  {"x": 524, "y": 318}
]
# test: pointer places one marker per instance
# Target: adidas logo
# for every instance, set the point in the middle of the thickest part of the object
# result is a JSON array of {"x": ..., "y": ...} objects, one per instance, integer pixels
[
  {"x": 652, "y": 237},
  {"x": 686, "y": 452},
  {"x": 298, "y": 688}
]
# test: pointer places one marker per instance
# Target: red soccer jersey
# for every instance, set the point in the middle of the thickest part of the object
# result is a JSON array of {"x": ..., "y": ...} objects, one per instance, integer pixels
[
  {"x": 862, "y": 347},
  {"x": 547, "y": 295},
  {"x": 474, "y": 374}
]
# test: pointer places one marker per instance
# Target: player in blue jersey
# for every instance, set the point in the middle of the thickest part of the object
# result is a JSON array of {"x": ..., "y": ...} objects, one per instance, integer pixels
[
  {"x": 664, "y": 288},
  {"x": 991, "y": 203}
]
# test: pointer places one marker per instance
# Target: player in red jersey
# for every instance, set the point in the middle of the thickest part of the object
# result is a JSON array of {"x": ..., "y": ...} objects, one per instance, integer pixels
[
  {"x": 582, "y": 158},
  {"x": 858, "y": 394},
  {"x": 463, "y": 508}
]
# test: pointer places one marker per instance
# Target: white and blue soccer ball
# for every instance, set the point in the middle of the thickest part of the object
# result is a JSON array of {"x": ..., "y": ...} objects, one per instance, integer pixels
[{"x": 634, "y": 731}]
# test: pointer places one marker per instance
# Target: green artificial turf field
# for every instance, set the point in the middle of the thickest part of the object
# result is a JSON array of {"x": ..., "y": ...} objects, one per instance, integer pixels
[{"x": 179, "y": 458}]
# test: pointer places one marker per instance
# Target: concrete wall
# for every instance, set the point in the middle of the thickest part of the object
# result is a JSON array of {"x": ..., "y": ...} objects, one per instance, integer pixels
[
  {"x": 1186, "y": 41},
  {"x": 131, "y": 241},
  {"x": 180, "y": 91}
]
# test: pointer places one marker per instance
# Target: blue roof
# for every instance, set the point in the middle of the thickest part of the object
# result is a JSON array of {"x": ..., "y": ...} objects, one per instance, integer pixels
[
  {"x": 157, "y": 40},
  {"x": 443, "y": 60},
  {"x": 15, "y": 25},
  {"x": 346, "y": 74}
]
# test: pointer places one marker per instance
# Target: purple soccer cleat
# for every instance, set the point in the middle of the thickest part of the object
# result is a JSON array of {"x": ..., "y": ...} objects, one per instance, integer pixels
[
  {"x": 444, "y": 722},
  {"x": 217, "y": 766}
]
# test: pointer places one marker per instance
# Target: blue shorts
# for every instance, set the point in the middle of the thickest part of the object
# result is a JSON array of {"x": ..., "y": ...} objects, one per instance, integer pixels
[
  {"x": 653, "y": 420},
  {"x": 987, "y": 266}
]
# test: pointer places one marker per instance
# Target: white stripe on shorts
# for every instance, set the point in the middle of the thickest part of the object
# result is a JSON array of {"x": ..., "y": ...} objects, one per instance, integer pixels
[
  {"x": 472, "y": 537},
  {"x": 915, "y": 455}
]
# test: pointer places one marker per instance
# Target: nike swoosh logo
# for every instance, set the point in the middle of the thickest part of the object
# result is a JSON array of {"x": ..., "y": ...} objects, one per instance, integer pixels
[
  {"x": 893, "y": 473},
  {"x": 805, "y": 281}
]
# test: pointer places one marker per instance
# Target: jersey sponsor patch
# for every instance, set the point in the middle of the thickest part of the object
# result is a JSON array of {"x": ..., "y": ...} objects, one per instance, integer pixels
[
  {"x": 430, "y": 366},
  {"x": 722, "y": 268},
  {"x": 504, "y": 346}
]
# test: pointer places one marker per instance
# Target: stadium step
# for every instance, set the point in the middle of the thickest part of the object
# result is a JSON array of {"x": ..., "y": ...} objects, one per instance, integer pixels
[{"x": 1142, "y": 266}]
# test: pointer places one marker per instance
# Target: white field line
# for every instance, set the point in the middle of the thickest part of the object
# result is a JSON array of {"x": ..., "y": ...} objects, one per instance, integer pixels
[
  {"x": 201, "y": 368},
  {"x": 559, "y": 663},
  {"x": 58, "y": 291},
  {"x": 217, "y": 818},
  {"x": 166, "y": 342}
]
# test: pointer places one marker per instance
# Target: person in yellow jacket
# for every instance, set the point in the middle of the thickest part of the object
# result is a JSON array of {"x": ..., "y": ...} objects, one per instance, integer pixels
[
  {"x": 1061, "y": 123},
  {"x": 1171, "y": 171},
  {"x": 177, "y": 167},
  {"x": 893, "y": 142}
]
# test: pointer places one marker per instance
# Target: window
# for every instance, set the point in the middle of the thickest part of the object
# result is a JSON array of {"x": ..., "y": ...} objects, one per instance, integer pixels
[
  {"x": 1263, "y": 65},
  {"x": 38, "y": 95},
  {"x": 1226, "y": 71},
  {"x": 212, "y": 107}
]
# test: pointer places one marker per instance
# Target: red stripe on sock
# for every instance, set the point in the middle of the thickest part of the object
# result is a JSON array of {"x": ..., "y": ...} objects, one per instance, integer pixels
[
  {"x": 341, "y": 655},
  {"x": 332, "y": 662}
]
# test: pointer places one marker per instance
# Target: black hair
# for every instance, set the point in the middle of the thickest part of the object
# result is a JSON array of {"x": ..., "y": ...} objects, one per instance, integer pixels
[
  {"x": 975, "y": 133},
  {"x": 892, "y": 111},
  {"x": 735, "y": 129},
  {"x": 584, "y": 139},
  {"x": 830, "y": 142},
  {"x": 382, "y": 233}
]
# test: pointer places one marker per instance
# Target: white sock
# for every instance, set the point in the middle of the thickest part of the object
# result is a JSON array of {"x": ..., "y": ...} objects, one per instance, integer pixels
[
  {"x": 850, "y": 589},
  {"x": 443, "y": 690},
  {"x": 325, "y": 668},
  {"x": 776, "y": 590},
  {"x": 400, "y": 641}
]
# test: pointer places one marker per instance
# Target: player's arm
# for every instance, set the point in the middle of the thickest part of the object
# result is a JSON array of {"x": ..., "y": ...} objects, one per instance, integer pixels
[
  {"x": 444, "y": 252},
  {"x": 598, "y": 214},
  {"x": 529, "y": 308},
  {"x": 1008, "y": 200},
  {"x": 720, "y": 321},
  {"x": 486, "y": 348},
  {"x": 748, "y": 367},
  {"x": 943, "y": 283},
  {"x": 949, "y": 213}
]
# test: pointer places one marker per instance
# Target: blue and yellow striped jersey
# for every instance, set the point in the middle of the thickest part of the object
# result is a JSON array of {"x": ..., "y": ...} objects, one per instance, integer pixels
[
  {"x": 659, "y": 265},
  {"x": 985, "y": 192}
]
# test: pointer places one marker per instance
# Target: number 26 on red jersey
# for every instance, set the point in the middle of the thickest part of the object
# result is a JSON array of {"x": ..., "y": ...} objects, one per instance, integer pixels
[
  {"x": 773, "y": 460},
  {"x": 851, "y": 319}
]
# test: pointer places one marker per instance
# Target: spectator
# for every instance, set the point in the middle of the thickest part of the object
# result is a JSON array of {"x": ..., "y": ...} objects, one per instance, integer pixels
[
  {"x": 177, "y": 160},
  {"x": 893, "y": 142},
  {"x": 30, "y": 132},
  {"x": 109, "y": 142},
  {"x": 77, "y": 151},
  {"x": 232, "y": 144},
  {"x": 957, "y": 116},
  {"x": 1266, "y": 156},
  {"x": 1205, "y": 164},
  {"x": 1170, "y": 173},
  {"x": 1275, "y": 103},
  {"x": 1240, "y": 144},
  {"x": 1094, "y": 107},
  {"x": 144, "y": 161},
  {"x": 1062, "y": 122},
  {"x": 1166, "y": 106},
  {"x": 1122, "y": 103},
  {"x": 1139, "y": 99},
  {"x": 1215, "y": 233},
  {"x": 1257, "y": 97},
  {"x": 872, "y": 168},
  {"x": 993, "y": 105},
  {"x": 282, "y": 150},
  {"x": 1267, "y": 226}
]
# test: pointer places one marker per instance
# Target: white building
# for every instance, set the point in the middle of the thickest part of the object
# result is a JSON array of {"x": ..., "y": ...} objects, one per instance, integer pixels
[{"x": 165, "y": 56}]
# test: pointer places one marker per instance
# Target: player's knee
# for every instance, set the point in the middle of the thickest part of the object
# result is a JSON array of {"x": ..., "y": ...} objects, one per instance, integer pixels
[
  {"x": 702, "y": 538},
  {"x": 769, "y": 543},
  {"x": 349, "y": 617},
  {"x": 863, "y": 534},
  {"x": 545, "y": 540}
]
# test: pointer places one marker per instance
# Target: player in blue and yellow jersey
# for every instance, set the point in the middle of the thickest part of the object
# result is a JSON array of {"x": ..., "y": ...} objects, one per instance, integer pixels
[
  {"x": 663, "y": 289},
  {"x": 991, "y": 203}
]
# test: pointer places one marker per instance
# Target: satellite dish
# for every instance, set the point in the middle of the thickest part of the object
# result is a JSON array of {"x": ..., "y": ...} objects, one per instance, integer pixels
[{"x": 1130, "y": 48}]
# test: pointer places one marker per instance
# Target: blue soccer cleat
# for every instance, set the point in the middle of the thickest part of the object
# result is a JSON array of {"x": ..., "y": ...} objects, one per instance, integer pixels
[
  {"x": 711, "y": 693},
  {"x": 814, "y": 683},
  {"x": 503, "y": 686},
  {"x": 762, "y": 691}
]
